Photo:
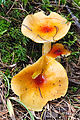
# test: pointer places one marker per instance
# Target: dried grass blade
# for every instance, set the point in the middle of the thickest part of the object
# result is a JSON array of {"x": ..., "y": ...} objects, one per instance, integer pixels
[{"x": 10, "y": 109}]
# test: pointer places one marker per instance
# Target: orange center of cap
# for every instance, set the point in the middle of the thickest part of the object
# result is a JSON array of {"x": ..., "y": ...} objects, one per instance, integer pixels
[
  {"x": 46, "y": 29},
  {"x": 39, "y": 80},
  {"x": 58, "y": 52}
]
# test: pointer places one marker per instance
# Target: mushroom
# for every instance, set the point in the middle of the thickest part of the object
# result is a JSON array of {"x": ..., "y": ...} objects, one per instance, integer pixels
[
  {"x": 43, "y": 81},
  {"x": 45, "y": 29},
  {"x": 58, "y": 50},
  {"x": 46, "y": 79}
]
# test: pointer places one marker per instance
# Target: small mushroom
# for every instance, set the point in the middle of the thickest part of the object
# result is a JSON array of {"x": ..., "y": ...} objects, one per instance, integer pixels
[
  {"x": 45, "y": 29},
  {"x": 43, "y": 81},
  {"x": 58, "y": 50}
]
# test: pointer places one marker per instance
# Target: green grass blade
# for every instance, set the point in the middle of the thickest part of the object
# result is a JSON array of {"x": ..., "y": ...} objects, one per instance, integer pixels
[
  {"x": 32, "y": 117},
  {"x": 2, "y": 32},
  {"x": 6, "y": 80}
]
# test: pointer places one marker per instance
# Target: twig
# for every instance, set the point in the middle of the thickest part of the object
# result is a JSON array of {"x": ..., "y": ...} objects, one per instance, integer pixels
[
  {"x": 75, "y": 4},
  {"x": 73, "y": 81},
  {"x": 40, "y": 92},
  {"x": 59, "y": 3},
  {"x": 33, "y": 113},
  {"x": 30, "y": 59},
  {"x": 4, "y": 112},
  {"x": 16, "y": 8},
  {"x": 21, "y": 9},
  {"x": 5, "y": 65},
  {"x": 75, "y": 65},
  {"x": 5, "y": 18},
  {"x": 60, "y": 102},
  {"x": 2, "y": 99},
  {"x": 11, "y": 7},
  {"x": 10, "y": 66},
  {"x": 78, "y": 61},
  {"x": 74, "y": 18},
  {"x": 62, "y": 6}
]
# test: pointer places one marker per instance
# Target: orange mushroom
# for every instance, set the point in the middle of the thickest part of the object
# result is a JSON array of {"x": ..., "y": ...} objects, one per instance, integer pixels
[
  {"x": 58, "y": 50},
  {"x": 45, "y": 29},
  {"x": 46, "y": 79},
  {"x": 41, "y": 28},
  {"x": 43, "y": 81}
]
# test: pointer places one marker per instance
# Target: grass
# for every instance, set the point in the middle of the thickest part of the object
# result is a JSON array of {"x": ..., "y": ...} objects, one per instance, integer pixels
[
  {"x": 32, "y": 117},
  {"x": 18, "y": 50},
  {"x": 7, "y": 84}
]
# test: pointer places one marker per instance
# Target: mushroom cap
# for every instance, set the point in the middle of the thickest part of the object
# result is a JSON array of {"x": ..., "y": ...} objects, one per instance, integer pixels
[
  {"x": 42, "y": 28},
  {"x": 58, "y": 50},
  {"x": 34, "y": 95}
]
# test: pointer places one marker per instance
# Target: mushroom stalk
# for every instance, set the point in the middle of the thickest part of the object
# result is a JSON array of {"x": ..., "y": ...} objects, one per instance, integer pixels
[{"x": 46, "y": 48}]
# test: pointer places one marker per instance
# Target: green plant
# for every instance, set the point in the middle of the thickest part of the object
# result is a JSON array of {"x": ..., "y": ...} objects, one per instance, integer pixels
[
  {"x": 71, "y": 38},
  {"x": 74, "y": 89},
  {"x": 4, "y": 26},
  {"x": 77, "y": 2},
  {"x": 46, "y": 4},
  {"x": 2, "y": 2},
  {"x": 32, "y": 117},
  {"x": 63, "y": 2},
  {"x": 6, "y": 82},
  {"x": 25, "y": 2}
]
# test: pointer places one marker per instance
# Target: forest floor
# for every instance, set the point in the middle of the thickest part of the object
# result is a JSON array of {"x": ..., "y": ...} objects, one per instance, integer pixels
[{"x": 17, "y": 51}]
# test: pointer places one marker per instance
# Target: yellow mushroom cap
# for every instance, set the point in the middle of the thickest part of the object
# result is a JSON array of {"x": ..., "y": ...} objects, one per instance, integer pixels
[
  {"x": 42, "y": 28},
  {"x": 43, "y": 81}
]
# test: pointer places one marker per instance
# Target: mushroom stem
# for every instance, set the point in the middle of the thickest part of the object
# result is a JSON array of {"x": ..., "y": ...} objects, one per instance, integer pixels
[{"x": 46, "y": 48}]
